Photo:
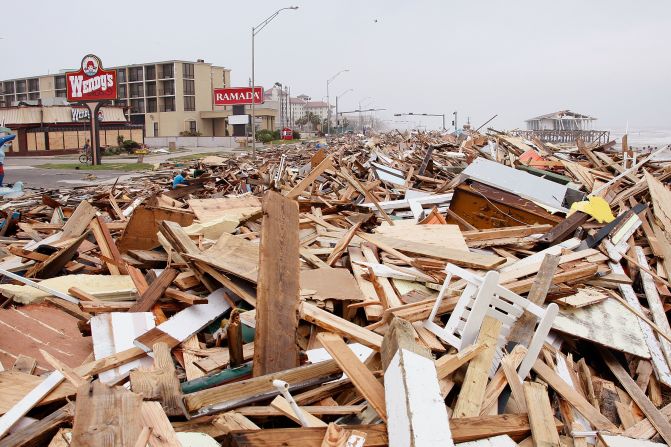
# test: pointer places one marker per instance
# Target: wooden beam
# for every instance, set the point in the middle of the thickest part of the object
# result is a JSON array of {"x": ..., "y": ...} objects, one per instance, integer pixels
[
  {"x": 283, "y": 406},
  {"x": 472, "y": 392},
  {"x": 540, "y": 415},
  {"x": 333, "y": 323},
  {"x": 318, "y": 170},
  {"x": 278, "y": 289},
  {"x": 598, "y": 420},
  {"x": 655, "y": 417},
  {"x": 363, "y": 379},
  {"x": 155, "y": 291}
]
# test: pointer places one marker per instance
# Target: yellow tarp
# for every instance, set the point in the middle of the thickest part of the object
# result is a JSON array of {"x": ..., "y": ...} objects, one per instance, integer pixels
[{"x": 596, "y": 207}]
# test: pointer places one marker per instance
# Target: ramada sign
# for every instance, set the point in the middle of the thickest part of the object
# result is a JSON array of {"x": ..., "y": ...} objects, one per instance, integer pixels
[
  {"x": 91, "y": 82},
  {"x": 237, "y": 95}
]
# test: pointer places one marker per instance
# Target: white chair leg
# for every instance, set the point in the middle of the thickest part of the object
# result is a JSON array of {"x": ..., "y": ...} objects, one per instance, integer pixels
[{"x": 537, "y": 341}]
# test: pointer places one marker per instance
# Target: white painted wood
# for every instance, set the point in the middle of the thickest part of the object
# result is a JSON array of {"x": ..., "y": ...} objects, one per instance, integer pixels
[
  {"x": 654, "y": 303},
  {"x": 29, "y": 401},
  {"x": 659, "y": 363},
  {"x": 537, "y": 257},
  {"x": 194, "y": 318},
  {"x": 416, "y": 412},
  {"x": 496, "y": 441},
  {"x": 114, "y": 332}
]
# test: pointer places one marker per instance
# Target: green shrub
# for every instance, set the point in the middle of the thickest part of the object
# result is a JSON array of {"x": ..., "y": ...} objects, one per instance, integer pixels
[
  {"x": 264, "y": 136},
  {"x": 296, "y": 135},
  {"x": 277, "y": 134},
  {"x": 130, "y": 144}
]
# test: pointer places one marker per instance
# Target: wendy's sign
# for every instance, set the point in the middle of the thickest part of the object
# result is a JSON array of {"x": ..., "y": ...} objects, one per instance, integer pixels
[{"x": 91, "y": 82}]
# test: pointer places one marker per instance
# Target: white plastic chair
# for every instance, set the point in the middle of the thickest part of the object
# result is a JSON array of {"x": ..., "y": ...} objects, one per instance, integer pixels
[{"x": 484, "y": 296}]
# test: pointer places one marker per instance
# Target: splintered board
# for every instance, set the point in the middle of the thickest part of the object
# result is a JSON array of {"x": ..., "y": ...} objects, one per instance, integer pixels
[
  {"x": 440, "y": 235},
  {"x": 212, "y": 209},
  {"x": 234, "y": 255},
  {"x": 607, "y": 323}
]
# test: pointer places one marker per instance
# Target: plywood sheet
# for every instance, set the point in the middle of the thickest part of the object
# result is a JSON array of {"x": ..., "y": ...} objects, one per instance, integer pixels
[
  {"x": 233, "y": 255},
  {"x": 141, "y": 231},
  {"x": 211, "y": 209},
  {"x": 607, "y": 323},
  {"x": 440, "y": 235},
  {"x": 330, "y": 283},
  {"x": 34, "y": 327}
]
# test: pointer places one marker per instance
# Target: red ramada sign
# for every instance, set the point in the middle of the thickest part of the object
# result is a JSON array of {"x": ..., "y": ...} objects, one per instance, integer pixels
[
  {"x": 91, "y": 82},
  {"x": 237, "y": 95}
]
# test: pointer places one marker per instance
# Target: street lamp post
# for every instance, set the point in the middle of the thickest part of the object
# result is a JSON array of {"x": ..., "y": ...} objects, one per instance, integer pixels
[
  {"x": 340, "y": 96},
  {"x": 328, "y": 100},
  {"x": 255, "y": 30}
]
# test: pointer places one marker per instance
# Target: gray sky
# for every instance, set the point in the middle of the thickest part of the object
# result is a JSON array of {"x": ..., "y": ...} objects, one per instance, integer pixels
[{"x": 522, "y": 58}]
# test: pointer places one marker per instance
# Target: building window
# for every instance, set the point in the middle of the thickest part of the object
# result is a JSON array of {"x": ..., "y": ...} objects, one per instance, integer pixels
[
  {"x": 21, "y": 97},
  {"x": 61, "y": 93},
  {"x": 122, "y": 91},
  {"x": 168, "y": 71},
  {"x": 33, "y": 85},
  {"x": 136, "y": 90},
  {"x": 167, "y": 88},
  {"x": 137, "y": 106},
  {"x": 34, "y": 95},
  {"x": 187, "y": 70},
  {"x": 150, "y": 72},
  {"x": 121, "y": 75},
  {"x": 135, "y": 74},
  {"x": 151, "y": 105},
  {"x": 60, "y": 82},
  {"x": 150, "y": 88},
  {"x": 189, "y": 103},
  {"x": 20, "y": 86},
  {"x": 155, "y": 129},
  {"x": 189, "y": 87},
  {"x": 168, "y": 105},
  {"x": 191, "y": 126}
]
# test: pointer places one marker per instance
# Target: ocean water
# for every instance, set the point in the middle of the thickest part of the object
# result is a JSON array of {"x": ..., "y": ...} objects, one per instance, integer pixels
[{"x": 643, "y": 137}]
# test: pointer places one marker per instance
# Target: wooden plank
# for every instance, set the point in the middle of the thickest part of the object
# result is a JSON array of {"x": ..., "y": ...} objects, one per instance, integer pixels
[
  {"x": 155, "y": 291},
  {"x": 318, "y": 170},
  {"x": 162, "y": 432},
  {"x": 278, "y": 289},
  {"x": 540, "y": 415},
  {"x": 363, "y": 379},
  {"x": 581, "y": 404},
  {"x": 110, "y": 362},
  {"x": 106, "y": 416},
  {"x": 472, "y": 392},
  {"x": 78, "y": 221},
  {"x": 643, "y": 429},
  {"x": 333, "y": 323},
  {"x": 29, "y": 401},
  {"x": 107, "y": 246},
  {"x": 447, "y": 364},
  {"x": 654, "y": 303},
  {"x": 655, "y": 417},
  {"x": 342, "y": 245},
  {"x": 416, "y": 411},
  {"x": 39, "y": 432},
  {"x": 160, "y": 383},
  {"x": 238, "y": 394},
  {"x": 232, "y": 254},
  {"x": 283, "y": 406},
  {"x": 465, "y": 429},
  {"x": 523, "y": 329},
  {"x": 373, "y": 312},
  {"x": 656, "y": 356},
  {"x": 513, "y": 379},
  {"x": 457, "y": 257},
  {"x": 184, "y": 297},
  {"x": 186, "y": 322},
  {"x": 190, "y": 367}
]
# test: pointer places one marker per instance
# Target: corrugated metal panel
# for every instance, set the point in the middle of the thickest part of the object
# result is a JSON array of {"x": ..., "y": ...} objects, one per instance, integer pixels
[{"x": 57, "y": 114}]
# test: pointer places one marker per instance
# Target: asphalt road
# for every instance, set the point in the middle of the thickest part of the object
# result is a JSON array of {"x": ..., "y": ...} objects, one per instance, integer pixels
[{"x": 26, "y": 170}]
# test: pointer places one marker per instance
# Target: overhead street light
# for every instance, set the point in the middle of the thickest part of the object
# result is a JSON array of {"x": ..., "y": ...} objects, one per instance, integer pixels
[
  {"x": 328, "y": 99},
  {"x": 255, "y": 30},
  {"x": 337, "y": 97}
]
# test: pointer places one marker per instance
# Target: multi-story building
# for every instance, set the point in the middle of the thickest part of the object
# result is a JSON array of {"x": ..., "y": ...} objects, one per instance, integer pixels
[{"x": 168, "y": 98}]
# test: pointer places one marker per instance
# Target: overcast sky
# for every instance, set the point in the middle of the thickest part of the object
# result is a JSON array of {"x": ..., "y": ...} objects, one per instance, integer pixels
[{"x": 518, "y": 59}]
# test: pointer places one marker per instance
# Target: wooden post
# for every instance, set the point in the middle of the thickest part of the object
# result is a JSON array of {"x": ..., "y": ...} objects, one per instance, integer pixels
[
  {"x": 234, "y": 333},
  {"x": 278, "y": 289}
]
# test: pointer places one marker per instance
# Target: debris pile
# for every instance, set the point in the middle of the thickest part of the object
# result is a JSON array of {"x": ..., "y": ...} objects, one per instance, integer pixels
[{"x": 404, "y": 290}]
